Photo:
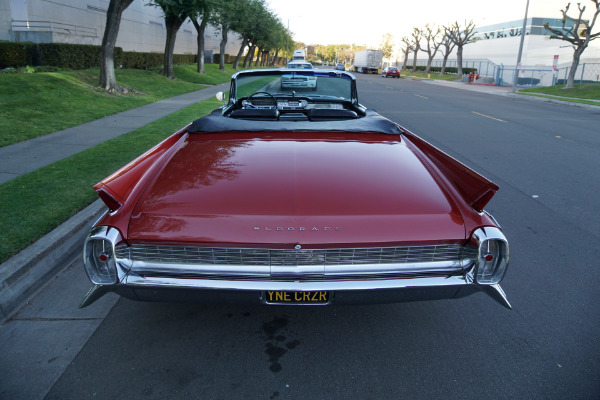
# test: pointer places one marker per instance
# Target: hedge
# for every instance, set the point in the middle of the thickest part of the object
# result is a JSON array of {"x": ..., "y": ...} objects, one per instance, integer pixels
[
  {"x": 449, "y": 70},
  {"x": 17, "y": 55},
  {"x": 228, "y": 58},
  {"x": 73, "y": 56},
  {"x": 133, "y": 59},
  {"x": 80, "y": 56}
]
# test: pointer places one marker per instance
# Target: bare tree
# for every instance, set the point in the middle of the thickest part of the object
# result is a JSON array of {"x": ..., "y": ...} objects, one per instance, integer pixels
[
  {"x": 579, "y": 35},
  {"x": 407, "y": 49},
  {"x": 461, "y": 37},
  {"x": 416, "y": 46},
  {"x": 432, "y": 38},
  {"x": 446, "y": 48},
  {"x": 108, "y": 80}
]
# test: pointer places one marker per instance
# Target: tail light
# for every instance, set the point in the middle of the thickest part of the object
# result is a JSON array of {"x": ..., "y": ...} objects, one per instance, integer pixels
[
  {"x": 112, "y": 203},
  {"x": 492, "y": 261},
  {"x": 99, "y": 258}
]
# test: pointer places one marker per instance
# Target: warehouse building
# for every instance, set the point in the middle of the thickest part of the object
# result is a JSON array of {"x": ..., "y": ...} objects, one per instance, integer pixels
[{"x": 142, "y": 27}]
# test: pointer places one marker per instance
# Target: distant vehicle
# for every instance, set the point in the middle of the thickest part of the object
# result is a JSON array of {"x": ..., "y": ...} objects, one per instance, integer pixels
[
  {"x": 391, "y": 71},
  {"x": 295, "y": 81},
  {"x": 340, "y": 67},
  {"x": 299, "y": 55},
  {"x": 299, "y": 65},
  {"x": 367, "y": 61}
]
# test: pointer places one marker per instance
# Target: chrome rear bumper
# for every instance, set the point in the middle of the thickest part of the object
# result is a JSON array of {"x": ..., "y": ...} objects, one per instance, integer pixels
[{"x": 146, "y": 276}]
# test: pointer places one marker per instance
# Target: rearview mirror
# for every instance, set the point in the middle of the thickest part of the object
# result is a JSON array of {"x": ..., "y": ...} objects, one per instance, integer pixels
[{"x": 221, "y": 96}]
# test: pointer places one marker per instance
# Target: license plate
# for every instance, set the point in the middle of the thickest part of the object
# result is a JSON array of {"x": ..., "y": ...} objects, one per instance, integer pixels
[{"x": 278, "y": 297}]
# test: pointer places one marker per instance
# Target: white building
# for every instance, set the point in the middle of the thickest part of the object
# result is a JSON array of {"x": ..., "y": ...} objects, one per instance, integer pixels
[
  {"x": 142, "y": 27},
  {"x": 500, "y": 44}
]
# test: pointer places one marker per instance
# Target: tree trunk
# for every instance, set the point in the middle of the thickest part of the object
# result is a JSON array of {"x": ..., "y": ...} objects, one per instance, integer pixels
[
  {"x": 239, "y": 55},
  {"x": 414, "y": 66},
  {"x": 258, "y": 54},
  {"x": 248, "y": 55},
  {"x": 275, "y": 57},
  {"x": 224, "y": 30},
  {"x": 108, "y": 80},
  {"x": 429, "y": 60},
  {"x": 574, "y": 65},
  {"x": 459, "y": 49},
  {"x": 405, "y": 59},
  {"x": 200, "y": 28},
  {"x": 443, "y": 71},
  {"x": 173, "y": 23}
]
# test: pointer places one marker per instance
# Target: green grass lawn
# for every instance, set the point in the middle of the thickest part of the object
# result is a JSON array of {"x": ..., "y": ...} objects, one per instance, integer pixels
[
  {"x": 33, "y": 105},
  {"x": 431, "y": 75},
  {"x": 585, "y": 91},
  {"x": 35, "y": 203},
  {"x": 212, "y": 76}
]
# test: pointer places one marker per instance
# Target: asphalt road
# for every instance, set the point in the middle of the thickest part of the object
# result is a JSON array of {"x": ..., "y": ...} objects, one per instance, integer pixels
[{"x": 545, "y": 159}]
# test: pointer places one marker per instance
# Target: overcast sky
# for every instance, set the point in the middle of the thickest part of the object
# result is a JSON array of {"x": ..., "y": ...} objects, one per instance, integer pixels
[{"x": 365, "y": 22}]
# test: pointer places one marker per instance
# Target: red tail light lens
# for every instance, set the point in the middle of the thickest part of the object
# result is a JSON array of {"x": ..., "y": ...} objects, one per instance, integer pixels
[{"x": 112, "y": 203}]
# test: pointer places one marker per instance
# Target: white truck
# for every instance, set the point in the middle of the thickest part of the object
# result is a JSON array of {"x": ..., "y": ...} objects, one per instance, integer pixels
[
  {"x": 299, "y": 55},
  {"x": 367, "y": 61}
]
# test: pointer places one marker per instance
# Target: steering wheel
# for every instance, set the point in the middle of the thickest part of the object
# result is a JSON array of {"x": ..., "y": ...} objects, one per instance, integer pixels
[{"x": 267, "y": 93}]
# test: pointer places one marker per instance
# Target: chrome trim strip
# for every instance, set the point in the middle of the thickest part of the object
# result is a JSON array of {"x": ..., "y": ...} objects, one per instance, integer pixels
[
  {"x": 272, "y": 285},
  {"x": 321, "y": 272},
  {"x": 293, "y": 257}
]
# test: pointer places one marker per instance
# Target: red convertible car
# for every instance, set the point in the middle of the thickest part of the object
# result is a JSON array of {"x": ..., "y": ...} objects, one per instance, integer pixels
[{"x": 285, "y": 196}]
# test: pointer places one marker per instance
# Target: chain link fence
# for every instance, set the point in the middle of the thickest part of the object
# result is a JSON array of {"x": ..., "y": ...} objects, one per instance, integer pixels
[{"x": 528, "y": 76}]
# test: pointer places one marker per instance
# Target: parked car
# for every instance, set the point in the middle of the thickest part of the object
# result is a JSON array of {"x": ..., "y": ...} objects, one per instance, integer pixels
[
  {"x": 287, "y": 198},
  {"x": 391, "y": 71},
  {"x": 340, "y": 67}
]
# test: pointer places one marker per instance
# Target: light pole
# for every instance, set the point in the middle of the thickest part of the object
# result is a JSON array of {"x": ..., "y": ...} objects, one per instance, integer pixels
[{"x": 516, "y": 76}]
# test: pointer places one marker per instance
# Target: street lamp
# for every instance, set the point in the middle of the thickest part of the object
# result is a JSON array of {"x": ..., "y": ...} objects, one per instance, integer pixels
[{"x": 516, "y": 76}]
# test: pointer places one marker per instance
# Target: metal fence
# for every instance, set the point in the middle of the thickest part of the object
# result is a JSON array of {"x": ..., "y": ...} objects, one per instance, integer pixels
[
  {"x": 528, "y": 76},
  {"x": 546, "y": 76}
]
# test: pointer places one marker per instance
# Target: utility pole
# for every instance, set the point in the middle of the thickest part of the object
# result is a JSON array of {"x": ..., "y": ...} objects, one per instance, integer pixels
[{"x": 517, "y": 67}]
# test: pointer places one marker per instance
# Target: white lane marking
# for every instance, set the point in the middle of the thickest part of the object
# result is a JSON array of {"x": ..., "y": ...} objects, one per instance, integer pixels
[
  {"x": 487, "y": 116},
  {"x": 418, "y": 95}
]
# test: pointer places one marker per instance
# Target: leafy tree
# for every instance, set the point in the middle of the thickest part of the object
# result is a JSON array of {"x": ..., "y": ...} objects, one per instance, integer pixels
[
  {"x": 201, "y": 15},
  {"x": 108, "y": 80},
  {"x": 246, "y": 26},
  {"x": 432, "y": 39},
  {"x": 579, "y": 35},
  {"x": 175, "y": 13},
  {"x": 228, "y": 15},
  {"x": 387, "y": 45},
  {"x": 460, "y": 37}
]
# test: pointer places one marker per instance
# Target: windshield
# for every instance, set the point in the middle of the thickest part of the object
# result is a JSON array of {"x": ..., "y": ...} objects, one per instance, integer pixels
[{"x": 301, "y": 83}]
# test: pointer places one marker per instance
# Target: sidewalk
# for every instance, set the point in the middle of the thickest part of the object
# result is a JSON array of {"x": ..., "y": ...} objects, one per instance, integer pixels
[
  {"x": 507, "y": 91},
  {"x": 26, "y": 273},
  {"x": 21, "y": 158}
]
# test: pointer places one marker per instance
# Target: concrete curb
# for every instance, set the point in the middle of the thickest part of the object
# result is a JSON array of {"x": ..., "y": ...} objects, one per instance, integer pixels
[{"x": 24, "y": 274}]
